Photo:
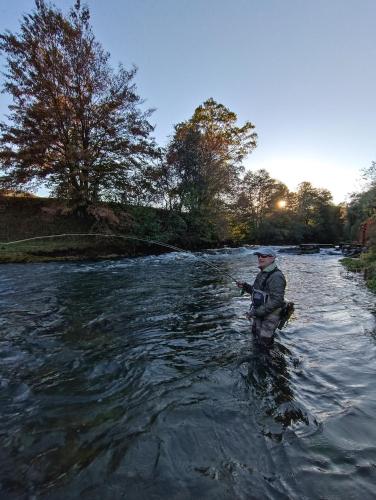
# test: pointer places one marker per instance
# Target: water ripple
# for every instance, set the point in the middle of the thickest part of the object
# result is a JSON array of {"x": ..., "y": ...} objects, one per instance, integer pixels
[{"x": 138, "y": 378}]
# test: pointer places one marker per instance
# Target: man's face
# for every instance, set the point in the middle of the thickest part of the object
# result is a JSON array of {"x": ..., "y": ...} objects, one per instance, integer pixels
[{"x": 264, "y": 260}]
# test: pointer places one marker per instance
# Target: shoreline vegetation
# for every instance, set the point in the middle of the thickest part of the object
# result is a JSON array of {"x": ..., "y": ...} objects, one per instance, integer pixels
[
  {"x": 108, "y": 232},
  {"x": 365, "y": 264},
  {"x": 90, "y": 238},
  {"x": 112, "y": 232},
  {"x": 132, "y": 227}
]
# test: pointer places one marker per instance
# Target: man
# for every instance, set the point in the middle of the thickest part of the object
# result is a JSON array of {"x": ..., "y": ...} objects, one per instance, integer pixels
[{"x": 268, "y": 294}]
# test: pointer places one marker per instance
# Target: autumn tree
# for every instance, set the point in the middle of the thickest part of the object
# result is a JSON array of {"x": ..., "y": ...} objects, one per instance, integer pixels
[
  {"x": 205, "y": 157},
  {"x": 75, "y": 124}
]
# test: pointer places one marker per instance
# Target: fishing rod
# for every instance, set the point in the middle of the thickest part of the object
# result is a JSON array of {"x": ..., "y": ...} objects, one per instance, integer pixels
[{"x": 103, "y": 235}]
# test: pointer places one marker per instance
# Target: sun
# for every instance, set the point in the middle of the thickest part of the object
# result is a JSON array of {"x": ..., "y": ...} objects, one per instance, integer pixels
[{"x": 281, "y": 204}]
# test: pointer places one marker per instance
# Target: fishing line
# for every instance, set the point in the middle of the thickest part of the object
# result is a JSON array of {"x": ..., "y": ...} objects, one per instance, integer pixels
[{"x": 154, "y": 242}]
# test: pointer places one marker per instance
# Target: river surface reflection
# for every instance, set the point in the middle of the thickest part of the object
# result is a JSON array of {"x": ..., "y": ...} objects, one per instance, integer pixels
[{"x": 138, "y": 379}]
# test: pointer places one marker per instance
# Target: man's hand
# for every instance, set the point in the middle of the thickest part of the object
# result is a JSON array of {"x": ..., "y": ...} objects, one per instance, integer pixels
[{"x": 246, "y": 287}]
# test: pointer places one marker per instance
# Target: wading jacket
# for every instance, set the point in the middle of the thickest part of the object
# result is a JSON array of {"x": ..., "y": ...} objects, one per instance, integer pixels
[{"x": 272, "y": 282}]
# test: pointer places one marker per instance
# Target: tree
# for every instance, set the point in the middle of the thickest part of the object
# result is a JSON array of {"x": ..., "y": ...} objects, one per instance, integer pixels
[
  {"x": 369, "y": 174},
  {"x": 361, "y": 210},
  {"x": 205, "y": 157},
  {"x": 259, "y": 194},
  {"x": 257, "y": 204},
  {"x": 318, "y": 216},
  {"x": 75, "y": 124},
  {"x": 307, "y": 215}
]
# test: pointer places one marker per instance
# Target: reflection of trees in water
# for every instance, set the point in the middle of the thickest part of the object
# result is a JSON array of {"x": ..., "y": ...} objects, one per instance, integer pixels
[{"x": 268, "y": 378}]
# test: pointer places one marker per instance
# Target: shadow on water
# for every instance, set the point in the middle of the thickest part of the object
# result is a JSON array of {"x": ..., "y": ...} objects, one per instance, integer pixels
[{"x": 138, "y": 379}]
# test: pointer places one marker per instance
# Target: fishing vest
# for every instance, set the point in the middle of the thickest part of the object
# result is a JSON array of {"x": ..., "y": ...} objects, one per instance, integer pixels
[{"x": 259, "y": 296}]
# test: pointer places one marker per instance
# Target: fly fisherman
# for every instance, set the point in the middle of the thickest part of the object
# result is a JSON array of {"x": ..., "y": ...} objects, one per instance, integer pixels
[{"x": 268, "y": 293}]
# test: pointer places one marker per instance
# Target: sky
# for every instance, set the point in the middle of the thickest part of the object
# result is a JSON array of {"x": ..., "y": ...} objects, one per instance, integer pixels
[{"x": 302, "y": 71}]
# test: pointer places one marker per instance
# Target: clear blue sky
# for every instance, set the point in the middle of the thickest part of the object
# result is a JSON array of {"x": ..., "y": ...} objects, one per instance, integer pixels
[{"x": 302, "y": 71}]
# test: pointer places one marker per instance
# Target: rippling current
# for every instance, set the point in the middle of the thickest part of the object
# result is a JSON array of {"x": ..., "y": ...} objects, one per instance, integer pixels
[{"x": 139, "y": 379}]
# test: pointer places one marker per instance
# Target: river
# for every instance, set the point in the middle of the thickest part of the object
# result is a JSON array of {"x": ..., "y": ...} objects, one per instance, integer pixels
[{"x": 138, "y": 379}]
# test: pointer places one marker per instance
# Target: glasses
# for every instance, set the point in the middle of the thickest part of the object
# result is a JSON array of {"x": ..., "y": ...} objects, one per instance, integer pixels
[{"x": 263, "y": 256}]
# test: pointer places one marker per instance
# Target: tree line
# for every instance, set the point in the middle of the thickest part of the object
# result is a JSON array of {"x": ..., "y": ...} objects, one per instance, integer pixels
[{"x": 77, "y": 126}]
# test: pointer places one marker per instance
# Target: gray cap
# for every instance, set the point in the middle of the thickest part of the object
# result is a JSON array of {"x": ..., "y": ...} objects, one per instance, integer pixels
[{"x": 265, "y": 251}]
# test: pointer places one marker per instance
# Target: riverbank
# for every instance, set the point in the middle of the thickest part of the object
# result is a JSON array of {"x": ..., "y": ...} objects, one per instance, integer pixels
[
  {"x": 107, "y": 231},
  {"x": 366, "y": 264},
  {"x": 65, "y": 248},
  {"x": 76, "y": 247}
]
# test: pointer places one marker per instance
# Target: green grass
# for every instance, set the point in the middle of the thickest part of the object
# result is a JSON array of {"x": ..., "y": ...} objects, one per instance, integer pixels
[
  {"x": 64, "y": 248},
  {"x": 365, "y": 264},
  {"x": 77, "y": 247},
  {"x": 351, "y": 264}
]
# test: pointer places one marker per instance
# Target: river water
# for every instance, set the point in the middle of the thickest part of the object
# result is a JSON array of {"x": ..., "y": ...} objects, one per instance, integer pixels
[{"x": 138, "y": 379}]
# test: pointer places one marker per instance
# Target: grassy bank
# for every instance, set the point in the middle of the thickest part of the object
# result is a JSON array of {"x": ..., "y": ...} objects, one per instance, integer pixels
[
  {"x": 365, "y": 264},
  {"x": 32, "y": 217},
  {"x": 68, "y": 247},
  {"x": 28, "y": 218}
]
